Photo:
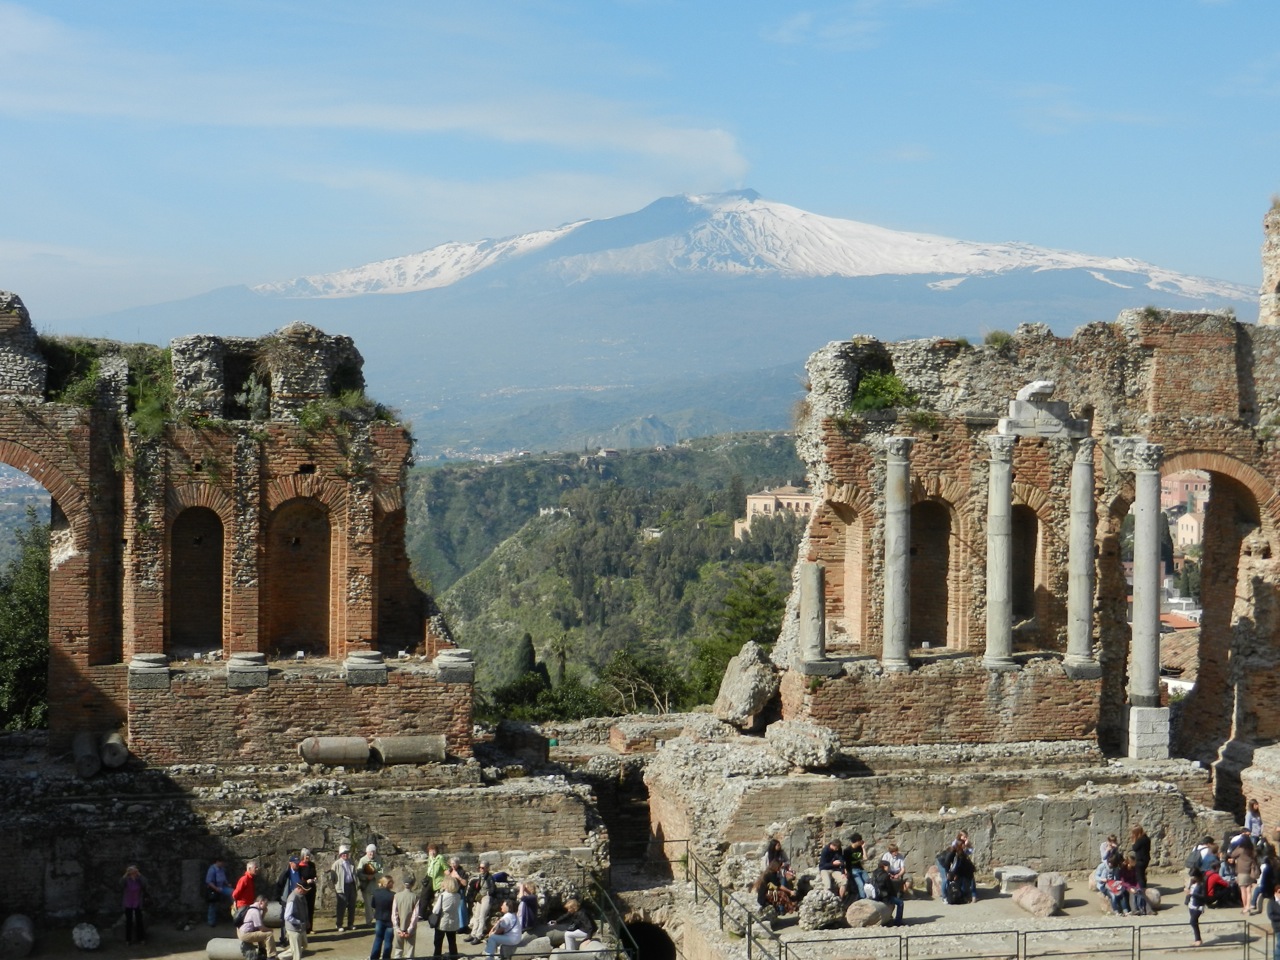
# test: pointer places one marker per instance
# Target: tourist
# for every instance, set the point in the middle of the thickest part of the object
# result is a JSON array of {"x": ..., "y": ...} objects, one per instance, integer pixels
[
  {"x": 446, "y": 916},
  {"x": 1247, "y": 871},
  {"x": 1273, "y": 914},
  {"x": 480, "y": 891},
  {"x": 1266, "y": 886},
  {"x": 855, "y": 855},
  {"x": 436, "y": 868},
  {"x": 1107, "y": 847},
  {"x": 307, "y": 874},
  {"x": 527, "y": 900},
  {"x": 369, "y": 875},
  {"x": 1140, "y": 845},
  {"x": 1099, "y": 883},
  {"x": 897, "y": 866},
  {"x": 772, "y": 851},
  {"x": 1253, "y": 821},
  {"x": 1127, "y": 878},
  {"x": 771, "y": 889},
  {"x": 404, "y": 920},
  {"x": 134, "y": 887},
  {"x": 296, "y": 919},
  {"x": 960, "y": 873},
  {"x": 831, "y": 872},
  {"x": 253, "y": 927},
  {"x": 577, "y": 925},
  {"x": 887, "y": 892},
  {"x": 379, "y": 906},
  {"x": 1195, "y": 898},
  {"x": 217, "y": 889},
  {"x": 457, "y": 872},
  {"x": 506, "y": 929},
  {"x": 344, "y": 888},
  {"x": 245, "y": 893},
  {"x": 285, "y": 885}
]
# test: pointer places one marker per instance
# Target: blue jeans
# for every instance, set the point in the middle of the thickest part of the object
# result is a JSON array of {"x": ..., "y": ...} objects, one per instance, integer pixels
[
  {"x": 383, "y": 934},
  {"x": 217, "y": 906},
  {"x": 897, "y": 915}
]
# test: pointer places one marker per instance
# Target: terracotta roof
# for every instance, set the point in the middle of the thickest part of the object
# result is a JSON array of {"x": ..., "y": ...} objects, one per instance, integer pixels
[{"x": 1180, "y": 653}]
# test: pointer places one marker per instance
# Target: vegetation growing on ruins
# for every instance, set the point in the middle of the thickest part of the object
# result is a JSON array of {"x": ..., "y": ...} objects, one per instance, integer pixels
[
  {"x": 337, "y": 413},
  {"x": 881, "y": 390},
  {"x": 998, "y": 339},
  {"x": 634, "y": 592},
  {"x": 24, "y": 629}
]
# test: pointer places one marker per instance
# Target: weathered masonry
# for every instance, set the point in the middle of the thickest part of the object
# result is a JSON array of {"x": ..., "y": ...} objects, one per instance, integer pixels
[
  {"x": 228, "y": 565},
  {"x": 961, "y": 578}
]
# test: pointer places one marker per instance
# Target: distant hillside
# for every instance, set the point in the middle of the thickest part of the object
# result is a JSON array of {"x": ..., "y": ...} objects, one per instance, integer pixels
[{"x": 458, "y": 513}]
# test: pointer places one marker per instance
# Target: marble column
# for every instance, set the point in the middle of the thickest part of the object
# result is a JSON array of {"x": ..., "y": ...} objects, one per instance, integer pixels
[
  {"x": 895, "y": 654},
  {"x": 1148, "y": 721},
  {"x": 1144, "y": 676},
  {"x": 813, "y": 623},
  {"x": 999, "y": 654},
  {"x": 1080, "y": 662}
]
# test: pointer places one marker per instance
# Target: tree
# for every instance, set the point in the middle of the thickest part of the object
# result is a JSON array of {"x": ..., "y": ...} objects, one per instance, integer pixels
[
  {"x": 24, "y": 630},
  {"x": 639, "y": 679},
  {"x": 751, "y": 611}
]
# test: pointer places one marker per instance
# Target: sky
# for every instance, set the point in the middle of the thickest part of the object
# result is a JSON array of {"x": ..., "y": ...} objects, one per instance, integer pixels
[{"x": 156, "y": 149}]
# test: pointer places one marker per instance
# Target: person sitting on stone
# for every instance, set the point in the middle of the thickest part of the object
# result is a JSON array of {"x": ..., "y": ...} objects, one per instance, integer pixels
[
  {"x": 855, "y": 856},
  {"x": 576, "y": 924},
  {"x": 772, "y": 851},
  {"x": 506, "y": 929},
  {"x": 887, "y": 891},
  {"x": 897, "y": 866},
  {"x": 771, "y": 889},
  {"x": 253, "y": 927},
  {"x": 831, "y": 869},
  {"x": 480, "y": 893}
]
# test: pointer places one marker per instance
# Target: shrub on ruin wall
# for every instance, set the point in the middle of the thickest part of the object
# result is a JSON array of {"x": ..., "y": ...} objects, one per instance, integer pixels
[{"x": 881, "y": 390}]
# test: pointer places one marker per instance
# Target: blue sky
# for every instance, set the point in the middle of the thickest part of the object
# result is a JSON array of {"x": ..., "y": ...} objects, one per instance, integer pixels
[{"x": 155, "y": 149}]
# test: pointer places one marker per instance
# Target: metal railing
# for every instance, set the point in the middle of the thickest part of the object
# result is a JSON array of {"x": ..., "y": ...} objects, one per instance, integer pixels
[{"x": 739, "y": 917}]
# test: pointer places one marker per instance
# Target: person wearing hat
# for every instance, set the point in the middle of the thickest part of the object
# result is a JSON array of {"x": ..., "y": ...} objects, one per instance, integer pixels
[
  {"x": 296, "y": 919},
  {"x": 404, "y": 920},
  {"x": 285, "y": 884},
  {"x": 344, "y": 887},
  {"x": 369, "y": 872}
]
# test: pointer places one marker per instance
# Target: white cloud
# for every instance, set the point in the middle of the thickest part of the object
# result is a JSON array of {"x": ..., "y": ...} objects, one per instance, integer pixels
[{"x": 843, "y": 28}]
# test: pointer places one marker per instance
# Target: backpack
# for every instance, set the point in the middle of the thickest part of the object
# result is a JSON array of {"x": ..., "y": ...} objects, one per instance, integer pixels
[
  {"x": 1193, "y": 858},
  {"x": 954, "y": 891},
  {"x": 239, "y": 917}
]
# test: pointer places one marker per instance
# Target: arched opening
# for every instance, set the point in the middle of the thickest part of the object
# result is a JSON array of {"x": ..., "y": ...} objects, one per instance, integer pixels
[
  {"x": 295, "y": 596},
  {"x": 854, "y": 571},
  {"x": 31, "y": 527},
  {"x": 1025, "y": 527},
  {"x": 652, "y": 941},
  {"x": 930, "y": 573},
  {"x": 195, "y": 582}
]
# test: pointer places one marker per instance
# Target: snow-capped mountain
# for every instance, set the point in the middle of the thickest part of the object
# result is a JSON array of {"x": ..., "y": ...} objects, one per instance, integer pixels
[
  {"x": 734, "y": 234},
  {"x": 693, "y": 315}
]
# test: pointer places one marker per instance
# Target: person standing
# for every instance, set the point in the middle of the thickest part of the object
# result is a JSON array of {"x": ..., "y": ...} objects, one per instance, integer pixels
[
  {"x": 344, "y": 888},
  {"x": 253, "y": 928},
  {"x": 457, "y": 872},
  {"x": 1195, "y": 902},
  {"x": 446, "y": 915},
  {"x": 1141, "y": 846},
  {"x": 245, "y": 892},
  {"x": 307, "y": 874},
  {"x": 404, "y": 921},
  {"x": 382, "y": 901},
  {"x": 436, "y": 868},
  {"x": 284, "y": 890},
  {"x": 1253, "y": 821},
  {"x": 217, "y": 889},
  {"x": 296, "y": 920},
  {"x": 1273, "y": 914},
  {"x": 134, "y": 888},
  {"x": 369, "y": 874},
  {"x": 480, "y": 893}
]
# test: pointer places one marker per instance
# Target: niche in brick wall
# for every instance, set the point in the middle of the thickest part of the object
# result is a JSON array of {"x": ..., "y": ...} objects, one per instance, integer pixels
[
  {"x": 930, "y": 572},
  {"x": 195, "y": 552},
  {"x": 296, "y": 599}
]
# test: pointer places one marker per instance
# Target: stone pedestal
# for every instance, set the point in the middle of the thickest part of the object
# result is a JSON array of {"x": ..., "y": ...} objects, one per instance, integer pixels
[
  {"x": 149, "y": 671},
  {"x": 365, "y": 668},
  {"x": 1149, "y": 733},
  {"x": 1013, "y": 877},
  {"x": 247, "y": 670},
  {"x": 455, "y": 665}
]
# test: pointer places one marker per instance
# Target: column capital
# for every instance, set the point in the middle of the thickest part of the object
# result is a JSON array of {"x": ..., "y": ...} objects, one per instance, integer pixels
[
  {"x": 899, "y": 448},
  {"x": 1084, "y": 450},
  {"x": 1147, "y": 456},
  {"x": 1001, "y": 446}
]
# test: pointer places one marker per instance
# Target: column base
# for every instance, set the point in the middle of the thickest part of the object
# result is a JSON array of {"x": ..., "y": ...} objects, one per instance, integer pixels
[
  {"x": 1082, "y": 668},
  {"x": 1000, "y": 665},
  {"x": 896, "y": 666},
  {"x": 1149, "y": 733},
  {"x": 820, "y": 668}
]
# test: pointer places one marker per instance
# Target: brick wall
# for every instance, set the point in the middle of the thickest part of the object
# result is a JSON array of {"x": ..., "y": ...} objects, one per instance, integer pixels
[{"x": 198, "y": 719}]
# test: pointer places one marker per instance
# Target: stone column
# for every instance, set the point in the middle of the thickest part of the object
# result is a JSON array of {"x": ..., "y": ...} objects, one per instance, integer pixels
[
  {"x": 999, "y": 654},
  {"x": 1148, "y": 723},
  {"x": 1080, "y": 663},
  {"x": 813, "y": 623},
  {"x": 895, "y": 654}
]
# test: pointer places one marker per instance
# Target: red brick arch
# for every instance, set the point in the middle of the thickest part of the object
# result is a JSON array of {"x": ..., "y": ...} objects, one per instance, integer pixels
[
  {"x": 330, "y": 493},
  {"x": 187, "y": 495},
  {"x": 1262, "y": 489},
  {"x": 71, "y": 501}
]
